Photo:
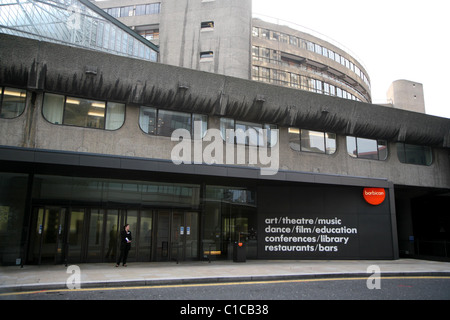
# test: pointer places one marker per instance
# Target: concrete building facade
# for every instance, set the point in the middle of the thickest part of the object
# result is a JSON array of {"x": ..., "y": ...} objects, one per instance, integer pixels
[
  {"x": 223, "y": 37},
  {"x": 211, "y": 36},
  {"x": 90, "y": 141},
  {"x": 88, "y": 179}
]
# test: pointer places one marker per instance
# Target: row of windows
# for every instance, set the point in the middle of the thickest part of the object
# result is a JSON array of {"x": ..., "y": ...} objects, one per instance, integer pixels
[
  {"x": 276, "y": 57},
  {"x": 310, "y": 46},
  {"x": 297, "y": 81},
  {"x": 162, "y": 122},
  {"x": 362, "y": 148},
  {"x": 138, "y": 10},
  {"x": 74, "y": 111}
]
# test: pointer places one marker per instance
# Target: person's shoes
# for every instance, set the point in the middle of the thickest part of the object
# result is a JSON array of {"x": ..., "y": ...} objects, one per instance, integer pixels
[
  {"x": 117, "y": 265},
  {"x": 125, "y": 265}
]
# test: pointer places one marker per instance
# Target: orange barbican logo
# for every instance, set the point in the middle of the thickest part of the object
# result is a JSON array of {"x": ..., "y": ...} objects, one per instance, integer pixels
[{"x": 374, "y": 196}]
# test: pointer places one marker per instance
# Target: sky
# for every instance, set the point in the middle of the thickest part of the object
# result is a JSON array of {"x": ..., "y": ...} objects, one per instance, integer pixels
[{"x": 393, "y": 39}]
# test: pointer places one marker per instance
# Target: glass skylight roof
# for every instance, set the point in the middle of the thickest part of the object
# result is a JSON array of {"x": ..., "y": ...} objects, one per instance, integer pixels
[{"x": 73, "y": 22}]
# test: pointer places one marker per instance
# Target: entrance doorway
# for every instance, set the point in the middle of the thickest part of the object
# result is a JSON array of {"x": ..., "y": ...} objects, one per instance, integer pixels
[
  {"x": 53, "y": 231},
  {"x": 89, "y": 234},
  {"x": 177, "y": 235}
]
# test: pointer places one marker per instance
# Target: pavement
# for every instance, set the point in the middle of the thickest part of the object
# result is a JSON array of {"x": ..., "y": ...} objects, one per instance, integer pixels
[{"x": 92, "y": 275}]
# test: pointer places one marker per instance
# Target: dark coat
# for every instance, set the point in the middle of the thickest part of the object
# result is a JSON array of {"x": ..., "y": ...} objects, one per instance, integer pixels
[{"x": 123, "y": 239}]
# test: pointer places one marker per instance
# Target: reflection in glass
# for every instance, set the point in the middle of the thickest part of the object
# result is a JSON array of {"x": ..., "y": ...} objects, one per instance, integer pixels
[
  {"x": 75, "y": 234},
  {"x": 229, "y": 216},
  {"x": 96, "y": 236},
  {"x": 115, "y": 115},
  {"x": 112, "y": 234},
  {"x": 367, "y": 148},
  {"x": 80, "y": 112},
  {"x": 169, "y": 121},
  {"x": 312, "y": 141},
  {"x": 12, "y": 102},
  {"x": 84, "y": 113},
  {"x": 414, "y": 154},
  {"x": 147, "y": 120},
  {"x": 145, "y": 235}
]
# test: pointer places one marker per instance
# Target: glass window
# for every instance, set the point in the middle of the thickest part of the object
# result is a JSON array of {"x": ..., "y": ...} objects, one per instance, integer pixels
[
  {"x": 207, "y": 24},
  {"x": 115, "y": 115},
  {"x": 153, "y": 8},
  {"x": 59, "y": 109},
  {"x": 255, "y": 53},
  {"x": 293, "y": 40},
  {"x": 312, "y": 141},
  {"x": 53, "y": 109},
  {"x": 165, "y": 122},
  {"x": 414, "y": 154},
  {"x": 126, "y": 11},
  {"x": 332, "y": 90},
  {"x": 317, "y": 142},
  {"x": 12, "y": 102},
  {"x": 140, "y": 10},
  {"x": 206, "y": 55},
  {"x": 294, "y": 138},
  {"x": 367, "y": 148},
  {"x": 169, "y": 121},
  {"x": 84, "y": 113},
  {"x": 115, "y": 12},
  {"x": 275, "y": 36},
  {"x": 326, "y": 88},
  {"x": 13, "y": 199},
  {"x": 200, "y": 120},
  {"x": 227, "y": 129},
  {"x": 331, "y": 54},
  {"x": 318, "y": 48},
  {"x": 330, "y": 143},
  {"x": 147, "y": 120},
  {"x": 264, "y": 74},
  {"x": 295, "y": 80},
  {"x": 248, "y": 133},
  {"x": 255, "y": 73},
  {"x": 271, "y": 135},
  {"x": 337, "y": 57}
]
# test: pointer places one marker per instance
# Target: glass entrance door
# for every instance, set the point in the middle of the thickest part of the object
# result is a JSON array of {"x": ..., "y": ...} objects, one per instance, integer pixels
[
  {"x": 47, "y": 235},
  {"x": 192, "y": 243},
  {"x": 177, "y": 235}
]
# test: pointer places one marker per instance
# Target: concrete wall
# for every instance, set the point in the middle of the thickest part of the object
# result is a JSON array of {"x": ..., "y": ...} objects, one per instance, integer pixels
[
  {"x": 43, "y": 67},
  {"x": 407, "y": 95},
  {"x": 182, "y": 40}
]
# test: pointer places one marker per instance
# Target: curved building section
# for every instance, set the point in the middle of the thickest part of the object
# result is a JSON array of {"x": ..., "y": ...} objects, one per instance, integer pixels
[{"x": 284, "y": 56}]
